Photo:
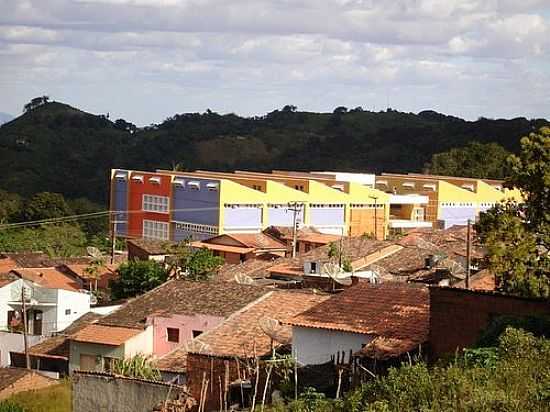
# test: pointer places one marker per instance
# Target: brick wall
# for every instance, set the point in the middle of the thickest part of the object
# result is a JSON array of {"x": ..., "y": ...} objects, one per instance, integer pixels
[
  {"x": 458, "y": 316},
  {"x": 30, "y": 381}
]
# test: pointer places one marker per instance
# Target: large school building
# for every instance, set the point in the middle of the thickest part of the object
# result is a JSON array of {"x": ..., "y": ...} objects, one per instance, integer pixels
[{"x": 169, "y": 205}]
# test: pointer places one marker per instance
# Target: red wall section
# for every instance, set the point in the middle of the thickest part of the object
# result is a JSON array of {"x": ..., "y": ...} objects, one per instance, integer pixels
[{"x": 135, "y": 201}]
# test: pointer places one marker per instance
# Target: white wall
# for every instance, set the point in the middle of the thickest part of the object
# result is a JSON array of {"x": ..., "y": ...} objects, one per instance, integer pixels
[
  {"x": 78, "y": 304},
  {"x": 312, "y": 346},
  {"x": 141, "y": 343},
  {"x": 13, "y": 342},
  {"x": 4, "y": 298}
]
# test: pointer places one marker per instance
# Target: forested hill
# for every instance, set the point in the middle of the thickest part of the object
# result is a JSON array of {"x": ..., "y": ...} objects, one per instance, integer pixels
[{"x": 57, "y": 148}]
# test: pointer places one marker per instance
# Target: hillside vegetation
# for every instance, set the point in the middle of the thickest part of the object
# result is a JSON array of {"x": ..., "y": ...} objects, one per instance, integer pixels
[{"x": 57, "y": 148}]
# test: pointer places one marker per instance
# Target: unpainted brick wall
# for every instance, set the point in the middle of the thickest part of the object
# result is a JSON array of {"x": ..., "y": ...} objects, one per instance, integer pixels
[{"x": 458, "y": 316}]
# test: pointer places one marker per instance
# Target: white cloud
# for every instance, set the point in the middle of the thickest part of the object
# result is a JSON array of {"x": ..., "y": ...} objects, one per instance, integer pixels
[{"x": 252, "y": 56}]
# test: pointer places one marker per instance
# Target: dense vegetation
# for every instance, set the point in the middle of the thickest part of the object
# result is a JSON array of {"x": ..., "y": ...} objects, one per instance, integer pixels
[
  {"x": 54, "y": 147},
  {"x": 52, "y": 399}
]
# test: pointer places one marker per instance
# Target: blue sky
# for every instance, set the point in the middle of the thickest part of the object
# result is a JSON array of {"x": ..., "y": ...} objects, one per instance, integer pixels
[{"x": 145, "y": 60}]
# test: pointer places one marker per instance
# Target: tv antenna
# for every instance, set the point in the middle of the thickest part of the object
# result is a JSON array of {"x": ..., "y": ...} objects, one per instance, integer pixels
[
  {"x": 274, "y": 329},
  {"x": 243, "y": 279},
  {"x": 336, "y": 273}
]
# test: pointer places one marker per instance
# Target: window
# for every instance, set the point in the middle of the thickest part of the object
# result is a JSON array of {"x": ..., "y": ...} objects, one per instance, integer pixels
[
  {"x": 108, "y": 364},
  {"x": 173, "y": 335},
  {"x": 196, "y": 333},
  {"x": 152, "y": 203},
  {"x": 67, "y": 311},
  {"x": 313, "y": 267},
  {"x": 155, "y": 230}
]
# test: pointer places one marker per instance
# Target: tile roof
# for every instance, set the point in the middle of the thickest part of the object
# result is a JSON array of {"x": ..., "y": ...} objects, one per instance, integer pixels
[
  {"x": 257, "y": 240},
  {"x": 9, "y": 376},
  {"x": 104, "y": 335},
  {"x": 58, "y": 346},
  {"x": 184, "y": 297},
  {"x": 80, "y": 270},
  {"x": 306, "y": 234},
  {"x": 173, "y": 361},
  {"x": 42, "y": 260},
  {"x": 51, "y": 278},
  {"x": 382, "y": 348},
  {"x": 482, "y": 280},
  {"x": 254, "y": 268},
  {"x": 7, "y": 264},
  {"x": 7, "y": 278},
  {"x": 391, "y": 310},
  {"x": 152, "y": 247},
  {"x": 242, "y": 333},
  {"x": 223, "y": 248}
]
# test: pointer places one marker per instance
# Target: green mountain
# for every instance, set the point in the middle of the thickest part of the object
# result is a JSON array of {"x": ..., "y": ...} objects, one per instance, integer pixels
[{"x": 55, "y": 147}]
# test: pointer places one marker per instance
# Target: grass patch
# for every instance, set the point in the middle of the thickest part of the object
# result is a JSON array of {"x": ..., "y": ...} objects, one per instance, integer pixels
[{"x": 52, "y": 399}]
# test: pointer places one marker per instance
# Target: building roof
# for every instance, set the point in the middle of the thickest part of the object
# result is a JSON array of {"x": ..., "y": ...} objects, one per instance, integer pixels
[
  {"x": 104, "y": 335},
  {"x": 243, "y": 335},
  {"x": 382, "y": 348},
  {"x": 7, "y": 278},
  {"x": 9, "y": 376},
  {"x": 223, "y": 248},
  {"x": 173, "y": 361},
  {"x": 306, "y": 234},
  {"x": 51, "y": 278},
  {"x": 80, "y": 270},
  {"x": 42, "y": 260},
  {"x": 58, "y": 346},
  {"x": 184, "y": 297},
  {"x": 7, "y": 264},
  {"x": 482, "y": 280},
  {"x": 390, "y": 310},
  {"x": 152, "y": 247},
  {"x": 253, "y": 268},
  {"x": 255, "y": 240}
]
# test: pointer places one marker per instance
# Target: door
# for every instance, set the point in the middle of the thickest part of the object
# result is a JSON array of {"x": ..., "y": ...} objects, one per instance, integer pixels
[
  {"x": 87, "y": 362},
  {"x": 37, "y": 322}
]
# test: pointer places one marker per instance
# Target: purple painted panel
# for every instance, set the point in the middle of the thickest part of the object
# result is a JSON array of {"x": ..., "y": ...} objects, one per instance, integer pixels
[
  {"x": 242, "y": 217},
  {"x": 194, "y": 204},
  {"x": 281, "y": 216},
  {"x": 120, "y": 202},
  {"x": 457, "y": 215},
  {"x": 326, "y": 216}
]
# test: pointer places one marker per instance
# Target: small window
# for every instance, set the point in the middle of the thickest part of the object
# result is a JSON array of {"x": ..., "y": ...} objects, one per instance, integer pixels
[
  {"x": 173, "y": 335},
  {"x": 67, "y": 311},
  {"x": 196, "y": 333},
  {"x": 313, "y": 267},
  {"x": 108, "y": 364}
]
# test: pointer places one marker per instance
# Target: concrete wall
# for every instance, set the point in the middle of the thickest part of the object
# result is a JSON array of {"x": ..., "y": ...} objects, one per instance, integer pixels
[
  {"x": 315, "y": 346},
  {"x": 5, "y": 293},
  {"x": 80, "y": 348},
  {"x": 186, "y": 325},
  {"x": 13, "y": 342},
  {"x": 142, "y": 343},
  {"x": 70, "y": 307},
  {"x": 328, "y": 215},
  {"x": 458, "y": 316},
  {"x": 241, "y": 218},
  {"x": 92, "y": 393},
  {"x": 457, "y": 215},
  {"x": 282, "y": 216}
]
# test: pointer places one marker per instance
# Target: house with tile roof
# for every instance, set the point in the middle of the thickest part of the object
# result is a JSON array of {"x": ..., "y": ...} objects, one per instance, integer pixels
[
  {"x": 224, "y": 351},
  {"x": 106, "y": 274},
  {"x": 307, "y": 238},
  {"x": 52, "y": 354},
  {"x": 236, "y": 248},
  {"x": 158, "y": 321},
  {"x": 396, "y": 314}
]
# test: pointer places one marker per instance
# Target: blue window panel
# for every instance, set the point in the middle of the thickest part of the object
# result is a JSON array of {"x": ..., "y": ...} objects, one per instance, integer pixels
[
  {"x": 326, "y": 216},
  {"x": 457, "y": 215},
  {"x": 243, "y": 217},
  {"x": 196, "y": 206},
  {"x": 282, "y": 216}
]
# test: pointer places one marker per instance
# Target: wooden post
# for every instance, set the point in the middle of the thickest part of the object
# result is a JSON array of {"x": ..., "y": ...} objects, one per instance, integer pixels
[
  {"x": 468, "y": 255},
  {"x": 25, "y": 342}
]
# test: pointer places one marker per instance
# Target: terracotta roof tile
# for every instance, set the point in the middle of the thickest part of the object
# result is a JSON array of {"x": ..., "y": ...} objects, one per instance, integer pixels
[
  {"x": 7, "y": 278},
  {"x": 223, "y": 248},
  {"x": 173, "y": 361},
  {"x": 59, "y": 345},
  {"x": 7, "y": 264},
  {"x": 152, "y": 247},
  {"x": 104, "y": 335},
  {"x": 9, "y": 376},
  {"x": 242, "y": 333},
  {"x": 184, "y": 297},
  {"x": 51, "y": 278},
  {"x": 258, "y": 240},
  {"x": 254, "y": 268},
  {"x": 390, "y": 310}
]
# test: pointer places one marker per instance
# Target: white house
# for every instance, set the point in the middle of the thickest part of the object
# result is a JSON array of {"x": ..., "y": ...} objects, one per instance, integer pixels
[
  {"x": 363, "y": 314},
  {"x": 51, "y": 306}
]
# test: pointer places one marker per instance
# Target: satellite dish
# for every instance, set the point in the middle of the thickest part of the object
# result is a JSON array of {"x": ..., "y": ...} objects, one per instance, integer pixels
[
  {"x": 94, "y": 252},
  {"x": 197, "y": 346},
  {"x": 243, "y": 279},
  {"x": 274, "y": 329},
  {"x": 336, "y": 273}
]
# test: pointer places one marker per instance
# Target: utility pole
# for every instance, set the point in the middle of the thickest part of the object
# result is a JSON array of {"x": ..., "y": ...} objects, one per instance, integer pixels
[
  {"x": 375, "y": 216},
  {"x": 295, "y": 207},
  {"x": 24, "y": 309},
  {"x": 468, "y": 255},
  {"x": 113, "y": 238}
]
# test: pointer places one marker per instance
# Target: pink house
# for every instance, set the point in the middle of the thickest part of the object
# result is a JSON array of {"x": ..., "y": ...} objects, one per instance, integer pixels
[{"x": 172, "y": 331}]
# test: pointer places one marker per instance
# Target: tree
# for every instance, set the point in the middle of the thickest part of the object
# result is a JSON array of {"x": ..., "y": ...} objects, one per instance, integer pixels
[
  {"x": 36, "y": 102},
  {"x": 46, "y": 205},
  {"x": 94, "y": 269},
  {"x": 474, "y": 160},
  {"x": 137, "y": 277},
  {"x": 11, "y": 205},
  {"x": 517, "y": 236},
  {"x": 192, "y": 263},
  {"x": 138, "y": 366}
]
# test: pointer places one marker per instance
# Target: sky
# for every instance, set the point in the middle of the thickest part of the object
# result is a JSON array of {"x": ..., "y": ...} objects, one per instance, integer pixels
[{"x": 146, "y": 60}]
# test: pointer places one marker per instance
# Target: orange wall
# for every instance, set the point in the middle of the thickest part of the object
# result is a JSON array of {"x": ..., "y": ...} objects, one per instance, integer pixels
[{"x": 135, "y": 201}]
